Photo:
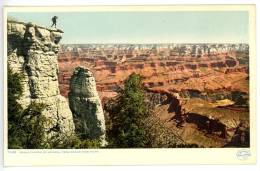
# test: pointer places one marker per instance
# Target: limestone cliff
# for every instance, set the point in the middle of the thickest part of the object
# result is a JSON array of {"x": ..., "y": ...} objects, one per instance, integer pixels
[
  {"x": 86, "y": 106},
  {"x": 32, "y": 51}
]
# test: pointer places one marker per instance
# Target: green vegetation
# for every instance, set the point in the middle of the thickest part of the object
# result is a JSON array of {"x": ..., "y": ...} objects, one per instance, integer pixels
[
  {"x": 132, "y": 123},
  {"x": 72, "y": 142},
  {"x": 25, "y": 127},
  {"x": 127, "y": 114}
]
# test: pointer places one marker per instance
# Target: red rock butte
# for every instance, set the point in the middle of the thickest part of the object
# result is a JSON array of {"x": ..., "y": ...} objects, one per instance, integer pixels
[{"x": 173, "y": 68}]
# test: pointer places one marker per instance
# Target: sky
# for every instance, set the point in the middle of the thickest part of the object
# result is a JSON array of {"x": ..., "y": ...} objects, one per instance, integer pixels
[{"x": 145, "y": 27}]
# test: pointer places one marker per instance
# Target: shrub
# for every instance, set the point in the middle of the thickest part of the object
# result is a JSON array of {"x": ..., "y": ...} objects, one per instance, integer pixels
[
  {"x": 25, "y": 126},
  {"x": 74, "y": 142}
]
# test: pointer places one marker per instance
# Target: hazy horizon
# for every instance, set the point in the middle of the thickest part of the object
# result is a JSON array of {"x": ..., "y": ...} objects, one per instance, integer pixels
[{"x": 145, "y": 27}]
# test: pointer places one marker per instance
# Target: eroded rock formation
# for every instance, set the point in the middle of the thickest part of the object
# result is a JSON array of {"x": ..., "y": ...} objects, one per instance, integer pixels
[
  {"x": 214, "y": 123},
  {"x": 86, "y": 106},
  {"x": 223, "y": 71},
  {"x": 33, "y": 51}
]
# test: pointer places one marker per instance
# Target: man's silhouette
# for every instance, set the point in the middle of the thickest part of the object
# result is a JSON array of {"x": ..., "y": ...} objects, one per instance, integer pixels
[{"x": 54, "y": 21}]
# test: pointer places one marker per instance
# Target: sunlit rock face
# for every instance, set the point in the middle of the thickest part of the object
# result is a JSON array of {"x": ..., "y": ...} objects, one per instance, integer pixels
[
  {"x": 33, "y": 51},
  {"x": 86, "y": 106}
]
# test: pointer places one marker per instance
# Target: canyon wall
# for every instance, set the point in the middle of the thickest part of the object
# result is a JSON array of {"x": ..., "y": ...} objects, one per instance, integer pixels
[
  {"x": 33, "y": 52},
  {"x": 176, "y": 74},
  {"x": 204, "y": 97}
]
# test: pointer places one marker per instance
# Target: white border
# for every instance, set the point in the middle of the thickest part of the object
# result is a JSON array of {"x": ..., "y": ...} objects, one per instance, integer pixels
[
  {"x": 137, "y": 156},
  {"x": 48, "y": 2}
]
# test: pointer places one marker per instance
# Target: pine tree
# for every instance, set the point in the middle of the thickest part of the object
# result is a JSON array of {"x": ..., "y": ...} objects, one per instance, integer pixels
[{"x": 127, "y": 113}]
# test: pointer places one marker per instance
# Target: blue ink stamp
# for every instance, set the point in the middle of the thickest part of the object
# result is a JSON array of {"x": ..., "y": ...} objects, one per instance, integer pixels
[{"x": 243, "y": 154}]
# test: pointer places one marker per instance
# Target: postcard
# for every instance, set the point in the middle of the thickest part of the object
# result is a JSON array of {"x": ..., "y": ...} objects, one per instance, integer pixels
[{"x": 129, "y": 85}]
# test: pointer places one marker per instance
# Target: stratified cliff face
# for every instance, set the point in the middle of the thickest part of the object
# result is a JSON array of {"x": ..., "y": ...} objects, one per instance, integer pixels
[
  {"x": 204, "y": 96},
  {"x": 86, "y": 106},
  {"x": 32, "y": 51},
  {"x": 221, "y": 71}
]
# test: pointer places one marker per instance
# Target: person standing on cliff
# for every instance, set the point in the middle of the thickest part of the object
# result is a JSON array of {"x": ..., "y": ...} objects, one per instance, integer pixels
[{"x": 54, "y": 21}]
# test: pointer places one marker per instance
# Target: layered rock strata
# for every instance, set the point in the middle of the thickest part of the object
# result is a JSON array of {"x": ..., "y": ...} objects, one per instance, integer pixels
[
  {"x": 178, "y": 73},
  {"x": 86, "y": 106},
  {"x": 33, "y": 51},
  {"x": 197, "y": 121}
]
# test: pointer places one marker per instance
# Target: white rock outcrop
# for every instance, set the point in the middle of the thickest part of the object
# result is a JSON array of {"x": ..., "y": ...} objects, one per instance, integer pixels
[
  {"x": 86, "y": 106},
  {"x": 33, "y": 51}
]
